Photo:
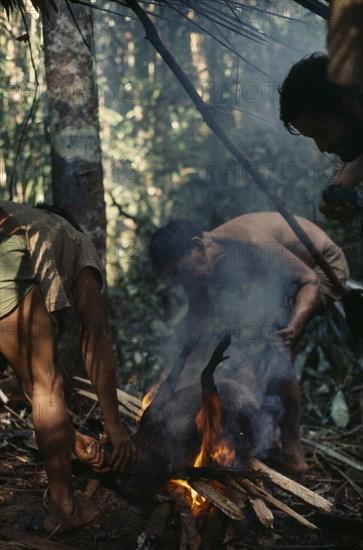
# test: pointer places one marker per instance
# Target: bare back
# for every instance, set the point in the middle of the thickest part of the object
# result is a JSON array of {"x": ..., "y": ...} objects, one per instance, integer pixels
[{"x": 267, "y": 229}]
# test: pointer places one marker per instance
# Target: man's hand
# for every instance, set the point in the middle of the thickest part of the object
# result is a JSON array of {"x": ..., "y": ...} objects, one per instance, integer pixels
[
  {"x": 123, "y": 448},
  {"x": 339, "y": 211},
  {"x": 89, "y": 450},
  {"x": 289, "y": 335}
]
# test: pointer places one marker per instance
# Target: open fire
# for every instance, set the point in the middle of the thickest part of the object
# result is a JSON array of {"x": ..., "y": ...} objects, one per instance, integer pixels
[
  {"x": 215, "y": 448},
  {"x": 217, "y": 434},
  {"x": 215, "y": 445},
  {"x": 147, "y": 399},
  {"x": 204, "y": 444}
]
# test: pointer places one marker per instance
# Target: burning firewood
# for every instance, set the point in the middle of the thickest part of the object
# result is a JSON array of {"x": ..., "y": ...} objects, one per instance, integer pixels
[
  {"x": 259, "y": 492},
  {"x": 290, "y": 485},
  {"x": 214, "y": 472},
  {"x": 213, "y": 529},
  {"x": 262, "y": 511},
  {"x": 230, "y": 502},
  {"x": 180, "y": 422},
  {"x": 149, "y": 539},
  {"x": 190, "y": 535}
]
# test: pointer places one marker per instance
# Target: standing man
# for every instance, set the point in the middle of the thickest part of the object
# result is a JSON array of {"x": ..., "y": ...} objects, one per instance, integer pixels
[
  {"x": 332, "y": 116},
  {"x": 257, "y": 249},
  {"x": 47, "y": 265}
]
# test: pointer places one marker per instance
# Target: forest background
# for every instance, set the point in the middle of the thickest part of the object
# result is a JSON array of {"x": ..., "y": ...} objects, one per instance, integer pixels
[{"x": 161, "y": 161}]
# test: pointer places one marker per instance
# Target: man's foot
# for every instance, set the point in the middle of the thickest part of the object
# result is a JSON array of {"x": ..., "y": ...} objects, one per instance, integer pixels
[
  {"x": 292, "y": 458},
  {"x": 59, "y": 520}
]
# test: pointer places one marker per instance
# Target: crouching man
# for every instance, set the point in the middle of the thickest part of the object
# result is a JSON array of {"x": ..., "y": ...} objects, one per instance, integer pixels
[
  {"x": 48, "y": 265},
  {"x": 258, "y": 249},
  {"x": 331, "y": 115}
]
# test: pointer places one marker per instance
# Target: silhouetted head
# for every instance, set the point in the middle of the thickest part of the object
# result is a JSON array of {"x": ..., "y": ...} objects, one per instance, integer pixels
[
  {"x": 315, "y": 107},
  {"x": 181, "y": 250},
  {"x": 172, "y": 242}
]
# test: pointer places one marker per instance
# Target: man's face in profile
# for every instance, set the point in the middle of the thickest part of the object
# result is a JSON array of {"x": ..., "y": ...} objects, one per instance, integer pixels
[
  {"x": 194, "y": 267},
  {"x": 341, "y": 135}
]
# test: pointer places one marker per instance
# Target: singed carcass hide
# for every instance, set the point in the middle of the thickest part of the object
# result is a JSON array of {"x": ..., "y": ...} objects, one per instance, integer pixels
[{"x": 168, "y": 439}]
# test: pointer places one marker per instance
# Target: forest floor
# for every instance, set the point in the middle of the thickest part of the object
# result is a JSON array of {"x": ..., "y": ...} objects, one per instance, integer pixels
[{"x": 23, "y": 481}]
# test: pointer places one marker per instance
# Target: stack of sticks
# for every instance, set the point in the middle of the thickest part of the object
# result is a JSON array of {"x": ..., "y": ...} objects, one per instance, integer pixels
[{"x": 230, "y": 497}]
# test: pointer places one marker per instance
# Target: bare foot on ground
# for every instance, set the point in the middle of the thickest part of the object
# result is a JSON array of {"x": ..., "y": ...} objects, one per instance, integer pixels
[
  {"x": 292, "y": 458},
  {"x": 83, "y": 511}
]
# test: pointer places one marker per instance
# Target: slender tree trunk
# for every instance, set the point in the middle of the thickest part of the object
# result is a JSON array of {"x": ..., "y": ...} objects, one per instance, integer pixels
[{"x": 77, "y": 178}]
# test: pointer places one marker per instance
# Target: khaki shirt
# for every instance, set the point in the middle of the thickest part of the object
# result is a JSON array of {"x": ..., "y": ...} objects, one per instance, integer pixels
[{"x": 58, "y": 252}]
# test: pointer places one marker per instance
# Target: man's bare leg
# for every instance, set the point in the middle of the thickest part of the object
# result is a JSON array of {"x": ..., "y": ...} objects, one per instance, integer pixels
[
  {"x": 292, "y": 452},
  {"x": 28, "y": 344}
]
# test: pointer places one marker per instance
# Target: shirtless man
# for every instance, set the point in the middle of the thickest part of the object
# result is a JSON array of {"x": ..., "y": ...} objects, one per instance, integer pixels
[
  {"x": 332, "y": 116},
  {"x": 47, "y": 265},
  {"x": 259, "y": 248}
]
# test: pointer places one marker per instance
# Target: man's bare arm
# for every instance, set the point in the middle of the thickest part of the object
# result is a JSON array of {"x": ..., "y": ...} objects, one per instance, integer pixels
[
  {"x": 349, "y": 175},
  {"x": 306, "y": 298},
  {"x": 100, "y": 366}
]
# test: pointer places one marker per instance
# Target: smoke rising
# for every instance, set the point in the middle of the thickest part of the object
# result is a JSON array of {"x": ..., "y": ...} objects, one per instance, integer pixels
[{"x": 248, "y": 380}]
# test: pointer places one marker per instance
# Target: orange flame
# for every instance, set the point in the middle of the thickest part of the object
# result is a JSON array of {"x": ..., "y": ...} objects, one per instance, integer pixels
[
  {"x": 195, "y": 499},
  {"x": 147, "y": 399},
  {"x": 215, "y": 445}
]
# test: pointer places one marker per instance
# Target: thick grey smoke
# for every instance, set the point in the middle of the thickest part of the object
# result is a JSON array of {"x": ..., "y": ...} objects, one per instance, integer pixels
[{"x": 251, "y": 310}]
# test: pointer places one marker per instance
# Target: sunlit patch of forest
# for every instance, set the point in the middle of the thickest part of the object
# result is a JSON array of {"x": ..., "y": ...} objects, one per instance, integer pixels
[{"x": 161, "y": 161}]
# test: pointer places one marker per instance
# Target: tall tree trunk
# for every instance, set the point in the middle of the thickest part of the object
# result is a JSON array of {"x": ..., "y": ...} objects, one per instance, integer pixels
[{"x": 77, "y": 178}]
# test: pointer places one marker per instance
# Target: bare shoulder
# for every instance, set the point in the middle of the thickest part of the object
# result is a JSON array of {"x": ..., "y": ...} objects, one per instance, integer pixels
[
  {"x": 252, "y": 227},
  {"x": 314, "y": 231},
  {"x": 267, "y": 227}
]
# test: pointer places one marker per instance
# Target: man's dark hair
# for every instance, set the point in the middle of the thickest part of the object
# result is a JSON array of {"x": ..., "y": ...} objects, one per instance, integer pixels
[
  {"x": 172, "y": 242},
  {"x": 60, "y": 212},
  {"x": 307, "y": 88}
]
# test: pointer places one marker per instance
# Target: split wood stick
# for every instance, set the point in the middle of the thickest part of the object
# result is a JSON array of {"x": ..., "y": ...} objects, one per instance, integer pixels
[
  {"x": 196, "y": 472},
  {"x": 157, "y": 521},
  {"x": 123, "y": 397},
  {"x": 16, "y": 415},
  {"x": 219, "y": 495},
  {"x": 213, "y": 529},
  {"x": 262, "y": 511},
  {"x": 4, "y": 398},
  {"x": 292, "y": 486},
  {"x": 124, "y": 409},
  {"x": 127, "y": 399},
  {"x": 149, "y": 539},
  {"x": 256, "y": 491},
  {"x": 189, "y": 528}
]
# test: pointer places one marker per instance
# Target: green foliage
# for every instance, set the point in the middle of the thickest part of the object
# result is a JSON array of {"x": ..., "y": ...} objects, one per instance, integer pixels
[
  {"x": 24, "y": 140},
  {"x": 328, "y": 366},
  {"x": 11, "y": 6}
]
